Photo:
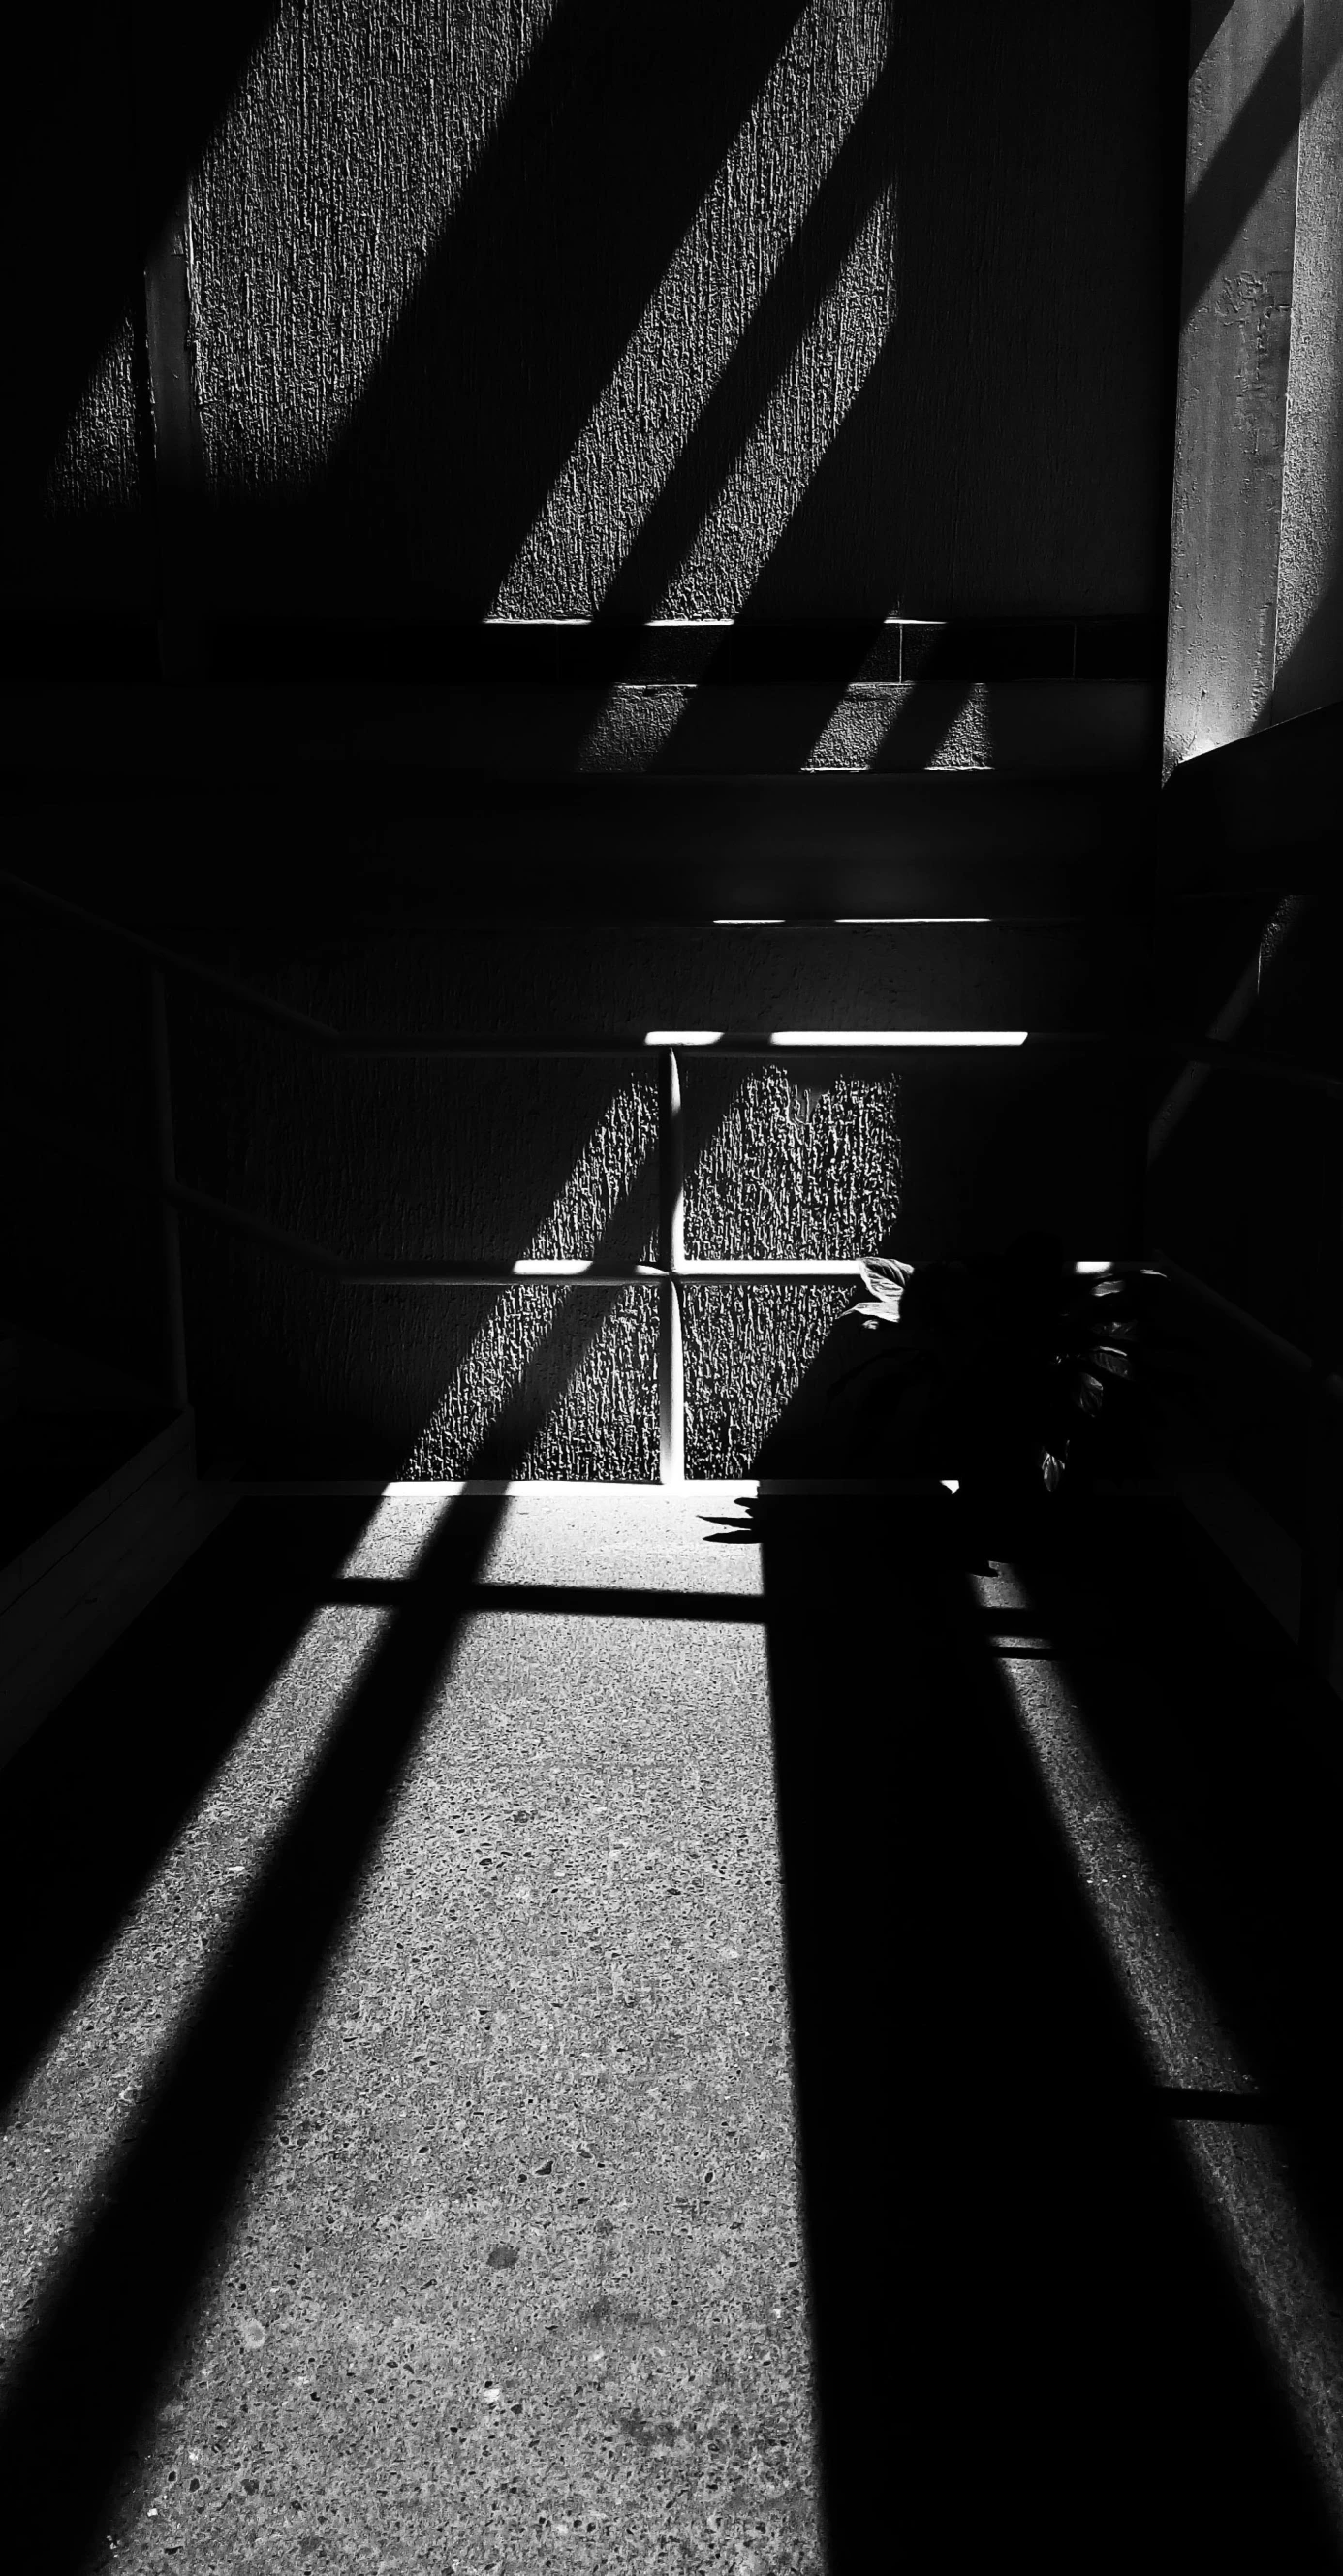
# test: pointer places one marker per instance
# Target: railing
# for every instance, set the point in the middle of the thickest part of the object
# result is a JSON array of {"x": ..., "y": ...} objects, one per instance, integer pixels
[{"x": 1313, "y": 1380}]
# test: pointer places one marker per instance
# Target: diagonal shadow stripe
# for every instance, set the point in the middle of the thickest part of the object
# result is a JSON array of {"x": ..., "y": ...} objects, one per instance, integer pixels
[
  {"x": 809, "y": 269},
  {"x": 110, "y": 110},
  {"x": 71, "y": 1868},
  {"x": 795, "y": 720},
  {"x": 107, "y": 2320},
  {"x": 600, "y": 159},
  {"x": 628, "y": 1237},
  {"x": 987, "y": 2191},
  {"x": 1310, "y": 672},
  {"x": 1262, "y": 130},
  {"x": 567, "y": 1600}
]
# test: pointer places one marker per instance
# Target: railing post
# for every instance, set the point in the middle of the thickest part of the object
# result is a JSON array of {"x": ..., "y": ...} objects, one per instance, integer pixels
[
  {"x": 671, "y": 1255},
  {"x": 165, "y": 1164}
]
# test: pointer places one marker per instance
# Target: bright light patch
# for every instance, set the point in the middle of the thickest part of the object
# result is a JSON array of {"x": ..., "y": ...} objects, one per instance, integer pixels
[
  {"x": 898, "y": 1037},
  {"x": 912, "y": 920},
  {"x": 119, "y": 2030}
]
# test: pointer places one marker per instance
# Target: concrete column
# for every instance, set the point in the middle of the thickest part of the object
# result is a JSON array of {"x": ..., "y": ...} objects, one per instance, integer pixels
[
  {"x": 1309, "y": 658},
  {"x": 1255, "y": 627},
  {"x": 1231, "y": 402}
]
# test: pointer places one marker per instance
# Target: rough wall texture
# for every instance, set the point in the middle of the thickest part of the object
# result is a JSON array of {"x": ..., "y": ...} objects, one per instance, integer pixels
[
  {"x": 808, "y": 311},
  {"x": 555, "y": 310},
  {"x": 1244, "y": 100},
  {"x": 506, "y": 1160},
  {"x": 563, "y": 308},
  {"x": 84, "y": 538},
  {"x": 1309, "y": 641},
  {"x": 500, "y": 1160},
  {"x": 1256, "y": 590}
]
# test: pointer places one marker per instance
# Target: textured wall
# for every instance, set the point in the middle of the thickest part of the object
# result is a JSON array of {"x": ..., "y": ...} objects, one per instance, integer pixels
[
  {"x": 491, "y": 1161},
  {"x": 1309, "y": 641},
  {"x": 1256, "y": 588},
  {"x": 809, "y": 310},
  {"x": 1244, "y": 101},
  {"x": 81, "y": 536},
  {"x": 558, "y": 307},
  {"x": 567, "y": 308},
  {"x": 500, "y": 1160}
]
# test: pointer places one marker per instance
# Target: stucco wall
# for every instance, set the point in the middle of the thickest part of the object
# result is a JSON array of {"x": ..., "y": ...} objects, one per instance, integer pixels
[
  {"x": 541, "y": 310},
  {"x": 548, "y": 307},
  {"x": 496, "y": 1160},
  {"x": 501, "y": 1161},
  {"x": 812, "y": 310}
]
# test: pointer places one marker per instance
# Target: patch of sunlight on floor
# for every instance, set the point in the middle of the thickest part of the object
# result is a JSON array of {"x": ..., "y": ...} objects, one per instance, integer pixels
[
  {"x": 120, "y": 2028},
  {"x": 518, "y": 2259}
]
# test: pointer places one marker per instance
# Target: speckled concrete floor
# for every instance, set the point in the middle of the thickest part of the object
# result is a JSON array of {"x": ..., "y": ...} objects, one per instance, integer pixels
[
  {"x": 453, "y": 1950},
  {"x": 512, "y": 2275}
]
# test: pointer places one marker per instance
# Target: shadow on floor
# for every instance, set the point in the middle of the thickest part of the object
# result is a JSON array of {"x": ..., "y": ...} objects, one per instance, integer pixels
[
  {"x": 89, "y": 1805},
  {"x": 1026, "y": 2339},
  {"x": 110, "y": 2318},
  {"x": 1229, "y": 1761}
]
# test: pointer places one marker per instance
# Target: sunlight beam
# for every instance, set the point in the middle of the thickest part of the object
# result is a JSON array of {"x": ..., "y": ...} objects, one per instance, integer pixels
[{"x": 722, "y": 272}]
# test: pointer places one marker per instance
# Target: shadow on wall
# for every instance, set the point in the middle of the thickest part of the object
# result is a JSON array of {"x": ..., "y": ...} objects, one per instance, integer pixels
[
  {"x": 1311, "y": 672},
  {"x": 111, "y": 113},
  {"x": 960, "y": 475},
  {"x": 983, "y": 1160},
  {"x": 566, "y": 224},
  {"x": 563, "y": 236}
]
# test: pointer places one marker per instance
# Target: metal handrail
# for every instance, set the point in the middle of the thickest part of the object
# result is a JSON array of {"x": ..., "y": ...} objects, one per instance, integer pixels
[
  {"x": 559, "y": 1271},
  {"x": 675, "y": 1271}
]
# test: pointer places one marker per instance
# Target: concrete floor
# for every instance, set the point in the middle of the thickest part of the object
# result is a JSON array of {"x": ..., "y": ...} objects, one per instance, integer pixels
[
  {"x": 596, "y": 2030},
  {"x": 512, "y": 2276}
]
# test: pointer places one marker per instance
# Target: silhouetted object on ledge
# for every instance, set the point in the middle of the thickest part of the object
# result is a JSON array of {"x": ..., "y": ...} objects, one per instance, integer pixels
[{"x": 992, "y": 1370}]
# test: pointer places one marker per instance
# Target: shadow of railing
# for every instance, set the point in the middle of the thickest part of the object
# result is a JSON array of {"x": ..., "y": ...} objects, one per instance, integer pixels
[
  {"x": 1023, "y": 2327},
  {"x": 1227, "y": 1765},
  {"x": 91, "y": 1806},
  {"x": 108, "y": 2317}
]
